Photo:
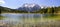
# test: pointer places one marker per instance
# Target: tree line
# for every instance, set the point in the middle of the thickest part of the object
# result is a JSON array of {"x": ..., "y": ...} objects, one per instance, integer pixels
[{"x": 49, "y": 10}]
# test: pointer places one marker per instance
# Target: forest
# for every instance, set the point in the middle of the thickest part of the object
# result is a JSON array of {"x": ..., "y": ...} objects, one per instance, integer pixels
[{"x": 48, "y": 10}]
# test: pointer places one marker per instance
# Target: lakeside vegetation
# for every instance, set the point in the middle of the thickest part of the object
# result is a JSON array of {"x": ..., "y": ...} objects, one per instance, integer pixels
[{"x": 48, "y": 10}]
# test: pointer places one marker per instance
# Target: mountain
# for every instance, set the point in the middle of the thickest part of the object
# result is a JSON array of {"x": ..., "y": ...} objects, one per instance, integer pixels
[{"x": 29, "y": 7}]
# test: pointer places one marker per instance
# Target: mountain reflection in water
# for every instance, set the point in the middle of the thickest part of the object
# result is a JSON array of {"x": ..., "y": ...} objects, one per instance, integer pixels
[{"x": 26, "y": 19}]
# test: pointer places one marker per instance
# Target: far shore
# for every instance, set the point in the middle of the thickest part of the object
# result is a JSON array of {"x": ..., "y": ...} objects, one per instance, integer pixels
[{"x": 33, "y": 13}]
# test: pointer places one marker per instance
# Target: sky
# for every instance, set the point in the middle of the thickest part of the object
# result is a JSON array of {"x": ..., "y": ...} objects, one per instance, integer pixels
[{"x": 18, "y": 3}]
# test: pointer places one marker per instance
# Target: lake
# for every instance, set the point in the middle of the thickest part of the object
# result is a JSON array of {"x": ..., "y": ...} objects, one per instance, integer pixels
[{"x": 28, "y": 18}]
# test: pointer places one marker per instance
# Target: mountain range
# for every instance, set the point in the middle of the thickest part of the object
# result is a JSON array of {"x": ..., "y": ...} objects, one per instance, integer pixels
[{"x": 29, "y": 7}]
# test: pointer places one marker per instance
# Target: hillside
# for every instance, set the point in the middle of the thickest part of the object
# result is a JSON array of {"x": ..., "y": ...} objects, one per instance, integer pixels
[
  {"x": 9, "y": 10},
  {"x": 48, "y": 10}
]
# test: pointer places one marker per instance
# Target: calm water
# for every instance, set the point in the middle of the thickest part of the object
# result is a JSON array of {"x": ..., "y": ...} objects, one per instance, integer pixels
[
  {"x": 23, "y": 18},
  {"x": 28, "y": 20}
]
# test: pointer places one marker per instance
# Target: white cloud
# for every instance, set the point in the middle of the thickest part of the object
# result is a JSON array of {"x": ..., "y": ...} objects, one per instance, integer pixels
[{"x": 2, "y": 2}]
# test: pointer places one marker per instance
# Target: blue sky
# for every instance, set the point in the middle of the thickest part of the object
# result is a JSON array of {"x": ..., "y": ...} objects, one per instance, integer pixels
[{"x": 18, "y": 3}]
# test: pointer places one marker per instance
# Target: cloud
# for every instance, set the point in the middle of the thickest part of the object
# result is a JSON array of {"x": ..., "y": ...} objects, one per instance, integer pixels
[{"x": 2, "y": 2}]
